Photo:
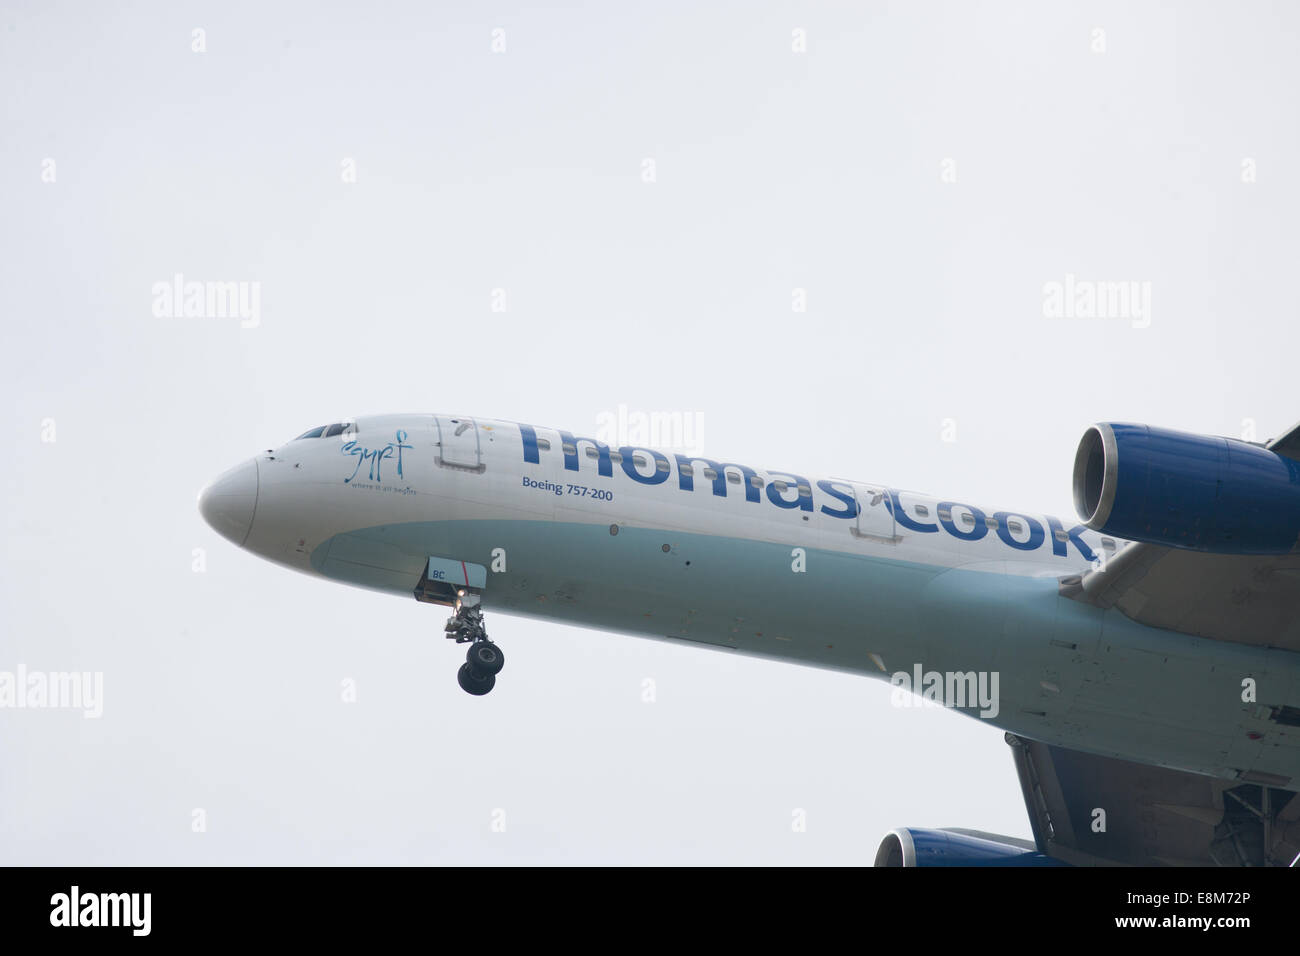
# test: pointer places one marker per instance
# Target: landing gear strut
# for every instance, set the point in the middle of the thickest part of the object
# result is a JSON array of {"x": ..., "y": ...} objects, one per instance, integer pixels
[{"x": 484, "y": 661}]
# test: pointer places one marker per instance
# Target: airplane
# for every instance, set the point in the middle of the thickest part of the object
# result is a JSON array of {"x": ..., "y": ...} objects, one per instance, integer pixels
[{"x": 1143, "y": 663}]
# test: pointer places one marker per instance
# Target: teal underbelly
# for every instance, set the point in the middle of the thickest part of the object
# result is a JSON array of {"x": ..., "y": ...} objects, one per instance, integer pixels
[{"x": 831, "y": 609}]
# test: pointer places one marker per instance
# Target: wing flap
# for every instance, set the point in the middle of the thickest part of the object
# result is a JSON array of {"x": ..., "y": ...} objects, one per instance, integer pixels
[
  {"x": 1247, "y": 599},
  {"x": 1091, "y": 810}
]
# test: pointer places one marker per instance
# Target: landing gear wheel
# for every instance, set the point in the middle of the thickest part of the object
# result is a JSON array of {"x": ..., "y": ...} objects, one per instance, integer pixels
[
  {"x": 485, "y": 658},
  {"x": 471, "y": 683}
]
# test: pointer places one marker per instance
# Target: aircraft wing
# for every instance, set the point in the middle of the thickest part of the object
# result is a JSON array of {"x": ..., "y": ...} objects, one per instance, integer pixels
[
  {"x": 1249, "y": 599},
  {"x": 1288, "y": 443},
  {"x": 1100, "y": 811}
]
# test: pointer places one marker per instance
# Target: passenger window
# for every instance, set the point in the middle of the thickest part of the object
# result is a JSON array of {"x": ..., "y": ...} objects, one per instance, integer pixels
[
  {"x": 733, "y": 477},
  {"x": 569, "y": 449},
  {"x": 1108, "y": 544},
  {"x": 924, "y": 512},
  {"x": 686, "y": 470},
  {"x": 756, "y": 481},
  {"x": 1015, "y": 526},
  {"x": 544, "y": 444},
  {"x": 805, "y": 491},
  {"x": 661, "y": 464},
  {"x": 780, "y": 485}
]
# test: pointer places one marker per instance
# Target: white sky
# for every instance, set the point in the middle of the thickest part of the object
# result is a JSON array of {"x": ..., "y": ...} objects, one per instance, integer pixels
[{"x": 522, "y": 171}]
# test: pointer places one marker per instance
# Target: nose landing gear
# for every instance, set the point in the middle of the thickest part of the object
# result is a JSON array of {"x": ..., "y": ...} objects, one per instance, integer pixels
[
  {"x": 457, "y": 584},
  {"x": 478, "y": 675}
]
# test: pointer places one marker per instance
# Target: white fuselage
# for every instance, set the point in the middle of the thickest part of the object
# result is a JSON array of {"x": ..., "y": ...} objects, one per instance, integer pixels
[{"x": 832, "y": 573}]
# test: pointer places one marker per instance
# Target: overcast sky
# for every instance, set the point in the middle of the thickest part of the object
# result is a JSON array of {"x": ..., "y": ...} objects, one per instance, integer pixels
[{"x": 644, "y": 188}]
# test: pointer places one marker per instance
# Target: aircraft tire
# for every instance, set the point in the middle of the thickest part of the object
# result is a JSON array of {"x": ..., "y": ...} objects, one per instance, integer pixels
[
  {"x": 485, "y": 659},
  {"x": 470, "y": 683}
]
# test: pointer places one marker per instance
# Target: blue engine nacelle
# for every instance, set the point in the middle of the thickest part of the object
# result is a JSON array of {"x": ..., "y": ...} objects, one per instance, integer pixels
[
  {"x": 1187, "y": 491},
  {"x": 911, "y": 847}
]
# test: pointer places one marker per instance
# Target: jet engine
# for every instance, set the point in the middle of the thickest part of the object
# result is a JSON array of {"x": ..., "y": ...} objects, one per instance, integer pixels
[
  {"x": 955, "y": 847},
  {"x": 1187, "y": 491}
]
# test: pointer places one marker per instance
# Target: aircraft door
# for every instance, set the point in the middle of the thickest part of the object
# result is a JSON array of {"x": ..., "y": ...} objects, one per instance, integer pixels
[
  {"x": 875, "y": 519},
  {"x": 458, "y": 444}
]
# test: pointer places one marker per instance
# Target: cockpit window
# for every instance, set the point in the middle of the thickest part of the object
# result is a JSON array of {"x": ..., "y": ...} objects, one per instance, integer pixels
[{"x": 328, "y": 431}]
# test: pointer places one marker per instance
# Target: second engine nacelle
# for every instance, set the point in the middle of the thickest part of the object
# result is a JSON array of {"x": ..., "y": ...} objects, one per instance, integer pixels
[
  {"x": 1187, "y": 491},
  {"x": 914, "y": 847}
]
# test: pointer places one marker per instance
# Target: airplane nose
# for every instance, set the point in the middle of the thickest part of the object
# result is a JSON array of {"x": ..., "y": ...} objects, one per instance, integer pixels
[{"x": 229, "y": 502}]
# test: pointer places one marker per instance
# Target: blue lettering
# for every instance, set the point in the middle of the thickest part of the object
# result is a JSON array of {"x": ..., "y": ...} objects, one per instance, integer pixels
[
  {"x": 1004, "y": 532},
  {"x": 901, "y": 516},
  {"x": 656, "y": 477},
  {"x": 375, "y": 456},
  {"x": 604, "y": 467},
  {"x": 795, "y": 482},
  {"x": 401, "y": 437},
  {"x": 529, "y": 435},
  {"x": 721, "y": 473},
  {"x": 945, "y": 518},
  {"x": 1075, "y": 535},
  {"x": 686, "y": 479},
  {"x": 851, "y": 511}
]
